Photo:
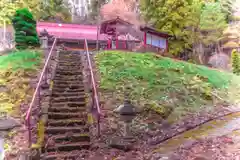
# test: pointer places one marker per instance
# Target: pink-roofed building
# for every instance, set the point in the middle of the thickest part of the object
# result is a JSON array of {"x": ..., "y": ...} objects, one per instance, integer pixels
[{"x": 72, "y": 33}]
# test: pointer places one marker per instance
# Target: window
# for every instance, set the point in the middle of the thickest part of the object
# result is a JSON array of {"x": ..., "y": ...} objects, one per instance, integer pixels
[{"x": 156, "y": 41}]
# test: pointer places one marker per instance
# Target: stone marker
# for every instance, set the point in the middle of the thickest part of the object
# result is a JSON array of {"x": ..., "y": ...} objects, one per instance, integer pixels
[
  {"x": 1, "y": 148},
  {"x": 8, "y": 124}
]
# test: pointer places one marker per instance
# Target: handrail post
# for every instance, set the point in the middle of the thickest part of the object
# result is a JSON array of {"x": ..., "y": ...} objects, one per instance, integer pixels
[
  {"x": 37, "y": 94},
  {"x": 29, "y": 133},
  {"x": 95, "y": 99}
]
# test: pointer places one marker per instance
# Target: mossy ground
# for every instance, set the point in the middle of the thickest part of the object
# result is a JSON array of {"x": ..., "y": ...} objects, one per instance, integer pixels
[
  {"x": 171, "y": 88},
  {"x": 16, "y": 70}
]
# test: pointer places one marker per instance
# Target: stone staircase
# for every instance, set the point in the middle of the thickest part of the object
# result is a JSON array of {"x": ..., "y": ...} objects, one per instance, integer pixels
[{"x": 67, "y": 133}]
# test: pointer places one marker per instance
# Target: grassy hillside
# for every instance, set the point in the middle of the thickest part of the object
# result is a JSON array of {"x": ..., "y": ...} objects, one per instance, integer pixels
[
  {"x": 163, "y": 84},
  {"x": 16, "y": 69}
]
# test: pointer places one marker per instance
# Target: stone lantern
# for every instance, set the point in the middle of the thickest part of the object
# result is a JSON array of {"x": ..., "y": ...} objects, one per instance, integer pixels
[
  {"x": 127, "y": 113},
  {"x": 44, "y": 39}
]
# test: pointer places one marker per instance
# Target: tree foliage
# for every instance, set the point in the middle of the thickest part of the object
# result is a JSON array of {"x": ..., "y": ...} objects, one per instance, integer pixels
[
  {"x": 193, "y": 23},
  {"x": 212, "y": 23},
  {"x": 7, "y": 10},
  {"x": 171, "y": 16},
  {"x": 94, "y": 9},
  {"x": 54, "y": 10},
  {"x": 122, "y": 9},
  {"x": 25, "y": 29},
  {"x": 235, "y": 62},
  {"x": 47, "y": 10}
]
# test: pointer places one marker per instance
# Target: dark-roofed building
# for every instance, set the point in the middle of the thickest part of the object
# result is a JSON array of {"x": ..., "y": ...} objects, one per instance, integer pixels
[{"x": 124, "y": 35}]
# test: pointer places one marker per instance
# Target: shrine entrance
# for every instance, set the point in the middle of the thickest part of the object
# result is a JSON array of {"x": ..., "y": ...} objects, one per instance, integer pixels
[{"x": 119, "y": 34}]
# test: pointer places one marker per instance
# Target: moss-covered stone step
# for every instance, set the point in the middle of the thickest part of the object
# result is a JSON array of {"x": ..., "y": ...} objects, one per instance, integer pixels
[
  {"x": 67, "y": 109},
  {"x": 74, "y": 67},
  {"x": 71, "y": 87},
  {"x": 60, "y": 89},
  {"x": 66, "y": 123},
  {"x": 69, "y": 63},
  {"x": 62, "y": 156},
  {"x": 71, "y": 137},
  {"x": 68, "y": 98},
  {"x": 64, "y": 72},
  {"x": 62, "y": 130},
  {"x": 68, "y": 69},
  {"x": 68, "y": 104},
  {"x": 69, "y": 78},
  {"x": 69, "y": 147},
  {"x": 57, "y": 115},
  {"x": 69, "y": 83},
  {"x": 68, "y": 94},
  {"x": 66, "y": 75}
]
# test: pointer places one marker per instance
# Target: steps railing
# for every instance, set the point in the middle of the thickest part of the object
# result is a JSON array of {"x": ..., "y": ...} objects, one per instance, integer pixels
[
  {"x": 42, "y": 80},
  {"x": 95, "y": 99}
]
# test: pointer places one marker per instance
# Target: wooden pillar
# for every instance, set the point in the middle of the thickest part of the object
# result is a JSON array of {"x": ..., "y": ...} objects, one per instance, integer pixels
[
  {"x": 167, "y": 48},
  {"x": 116, "y": 42},
  {"x": 145, "y": 39},
  {"x": 125, "y": 44},
  {"x": 109, "y": 44}
]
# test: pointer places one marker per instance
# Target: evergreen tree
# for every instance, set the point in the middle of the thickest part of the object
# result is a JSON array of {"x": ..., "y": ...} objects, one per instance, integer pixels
[
  {"x": 212, "y": 23},
  {"x": 25, "y": 29},
  {"x": 94, "y": 9},
  {"x": 235, "y": 62}
]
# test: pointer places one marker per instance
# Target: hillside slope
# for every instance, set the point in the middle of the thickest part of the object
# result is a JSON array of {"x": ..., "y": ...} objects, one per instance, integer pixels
[
  {"x": 16, "y": 71},
  {"x": 169, "y": 87}
]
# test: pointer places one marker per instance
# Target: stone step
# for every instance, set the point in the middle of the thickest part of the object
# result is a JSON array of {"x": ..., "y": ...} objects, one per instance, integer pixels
[
  {"x": 69, "y": 63},
  {"x": 71, "y": 138},
  {"x": 67, "y": 94},
  {"x": 68, "y": 99},
  {"x": 68, "y": 69},
  {"x": 66, "y": 123},
  {"x": 57, "y": 115},
  {"x": 69, "y": 147},
  {"x": 68, "y": 104},
  {"x": 72, "y": 82},
  {"x": 66, "y": 109},
  {"x": 68, "y": 58},
  {"x": 62, "y": 130},
  {"x": 69, "y": 87},
  {"x": 57, "y": 89},
  {"x": 69, "y": 78},
  {"x": 74, "y": 66},
  {"x": 62, "y": 156},
  {"x": 61, "y": 74}
]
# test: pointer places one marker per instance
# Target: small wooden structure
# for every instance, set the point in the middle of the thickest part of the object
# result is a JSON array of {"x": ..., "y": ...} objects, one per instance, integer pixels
[{"x": 122, "y": 35}]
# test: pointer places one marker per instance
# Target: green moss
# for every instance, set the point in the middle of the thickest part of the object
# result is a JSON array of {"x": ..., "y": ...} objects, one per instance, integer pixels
[
  {"x": 15, "y": 71},
  {"x": 167, "y": 86}
]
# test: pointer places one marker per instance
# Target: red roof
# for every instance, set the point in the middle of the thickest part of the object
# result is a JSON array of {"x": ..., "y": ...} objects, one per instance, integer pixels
[{"x": 70, "y": 31}]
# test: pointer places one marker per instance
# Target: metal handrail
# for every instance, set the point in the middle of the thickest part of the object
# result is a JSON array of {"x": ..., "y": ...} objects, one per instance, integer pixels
[
  {"x": 37, "y": 92},
  {"x": 95, "y": 94}
]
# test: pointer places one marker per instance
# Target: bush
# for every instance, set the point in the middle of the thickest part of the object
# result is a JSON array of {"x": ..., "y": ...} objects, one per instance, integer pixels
[
  {"x": 235, "y": 62},
  {"x": 25, "y": 29}
]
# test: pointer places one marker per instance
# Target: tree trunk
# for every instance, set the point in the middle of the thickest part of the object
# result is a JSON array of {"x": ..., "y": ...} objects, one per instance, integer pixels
[{"x": 201, "y": 53}]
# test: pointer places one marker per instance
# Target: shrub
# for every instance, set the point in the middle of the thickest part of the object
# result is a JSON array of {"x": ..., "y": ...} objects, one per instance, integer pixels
[
  {"x": 25, "y": 29},
  {"x": 235, "y": 62}
]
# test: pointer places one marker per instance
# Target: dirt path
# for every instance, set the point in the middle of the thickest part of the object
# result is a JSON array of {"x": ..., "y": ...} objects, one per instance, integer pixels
[{"x": 218, "y": 138}]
